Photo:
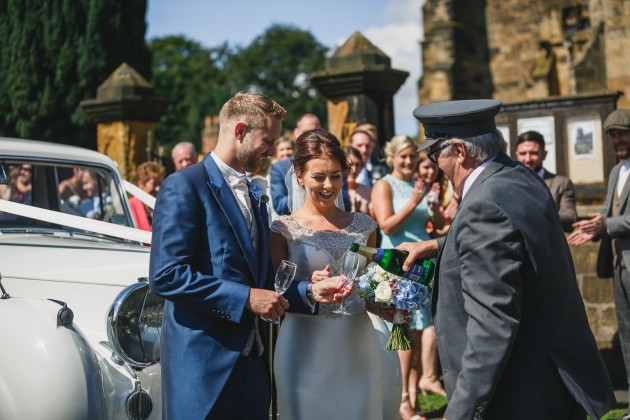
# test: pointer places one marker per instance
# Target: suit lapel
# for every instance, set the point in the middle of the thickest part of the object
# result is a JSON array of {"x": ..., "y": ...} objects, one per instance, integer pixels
[
  {"x": 624, "y": 194},
  {"x": 226, "y": 201},
  {"x": 612, "y": 188},
  {"x": 499, "y": 162}
]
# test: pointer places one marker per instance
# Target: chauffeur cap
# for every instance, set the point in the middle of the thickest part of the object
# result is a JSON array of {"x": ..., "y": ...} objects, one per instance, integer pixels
[
  {"x": 619, "y": 119},
  {"x": 456, "y": 119}
]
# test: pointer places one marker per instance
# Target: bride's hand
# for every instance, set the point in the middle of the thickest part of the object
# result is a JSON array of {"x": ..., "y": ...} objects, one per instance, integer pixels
[
  {"x": 319, "y": 275},
  {"x": 331, "y": 290}
]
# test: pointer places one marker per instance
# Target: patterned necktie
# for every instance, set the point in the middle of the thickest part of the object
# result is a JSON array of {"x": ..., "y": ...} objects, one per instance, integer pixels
[{"x": 241, "y": 190}]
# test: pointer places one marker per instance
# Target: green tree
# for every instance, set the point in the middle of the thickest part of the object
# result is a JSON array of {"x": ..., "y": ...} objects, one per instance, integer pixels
[
  {"x": 191, "y": 77},
  {"x": 55, "y": 53},
  {"x": 277, "y": 64}
]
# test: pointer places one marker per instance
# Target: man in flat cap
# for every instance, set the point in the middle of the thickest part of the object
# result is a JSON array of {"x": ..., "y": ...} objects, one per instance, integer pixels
[
  {"x": 513, "y": 337},
  {"x": 612, "y": 226}
]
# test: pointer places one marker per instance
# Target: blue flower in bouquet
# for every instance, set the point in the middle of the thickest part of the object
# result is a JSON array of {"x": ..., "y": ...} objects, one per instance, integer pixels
[
  {"x": 363, "y": 283},
  {"x": 393, "y": 292},
  {"x": 405, "y": 296},
  {"x": 423, "y": 295}
]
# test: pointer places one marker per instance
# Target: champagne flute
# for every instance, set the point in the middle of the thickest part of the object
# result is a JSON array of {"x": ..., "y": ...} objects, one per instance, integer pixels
[
  {"x": 349, "y": 268},
  {"x": 284, "y": 277}
]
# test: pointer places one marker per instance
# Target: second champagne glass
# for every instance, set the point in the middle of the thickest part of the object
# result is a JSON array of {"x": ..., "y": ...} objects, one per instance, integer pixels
[
  {"x": 349, "y": 268},
  {"x": 284, "y": 277}
]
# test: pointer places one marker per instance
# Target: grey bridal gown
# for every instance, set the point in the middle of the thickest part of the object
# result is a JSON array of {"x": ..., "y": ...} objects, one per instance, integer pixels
[{"x": 330, "y": 366}]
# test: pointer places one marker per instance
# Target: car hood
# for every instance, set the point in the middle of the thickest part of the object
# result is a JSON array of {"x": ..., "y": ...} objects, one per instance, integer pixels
[
  {"x": 66, "y": 258},
  {"x": 86, "y": 273}
]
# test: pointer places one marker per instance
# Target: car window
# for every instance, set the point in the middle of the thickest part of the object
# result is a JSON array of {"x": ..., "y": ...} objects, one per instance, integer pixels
[{"x": 85, "y": 191}]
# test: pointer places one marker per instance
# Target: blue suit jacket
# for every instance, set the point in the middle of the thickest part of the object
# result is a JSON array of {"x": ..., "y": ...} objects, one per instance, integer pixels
[
  {"x": 278, "y": 186},
  {"x": 204, "y": 264}
]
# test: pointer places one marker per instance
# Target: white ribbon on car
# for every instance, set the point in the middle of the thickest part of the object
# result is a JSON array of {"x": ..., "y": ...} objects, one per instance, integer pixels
[
  {"x": 140, "y": 194},
  {"x": 76, "y": 222}
]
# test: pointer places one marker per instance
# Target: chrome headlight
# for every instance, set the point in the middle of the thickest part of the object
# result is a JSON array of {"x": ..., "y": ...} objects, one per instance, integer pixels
[{"x": 134, "y": 325}]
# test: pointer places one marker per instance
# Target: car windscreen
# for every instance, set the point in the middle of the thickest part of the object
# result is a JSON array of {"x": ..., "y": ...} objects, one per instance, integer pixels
[{"x": 85, "y": 191}]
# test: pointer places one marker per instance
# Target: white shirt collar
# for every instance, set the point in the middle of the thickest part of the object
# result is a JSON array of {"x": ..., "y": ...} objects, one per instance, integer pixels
[
  {"x": 541, "y": 173},
  {"x": 226, "y": 170},
  {"x": 625, "y": 163},
  {"x": 473, "y": 176}
]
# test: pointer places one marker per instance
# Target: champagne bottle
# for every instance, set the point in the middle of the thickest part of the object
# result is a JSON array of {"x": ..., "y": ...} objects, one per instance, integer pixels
[{"x": 392, "y": 260}]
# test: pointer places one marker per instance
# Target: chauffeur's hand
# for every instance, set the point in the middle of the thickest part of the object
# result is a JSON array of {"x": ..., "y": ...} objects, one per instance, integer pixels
[{"x": 424, "y": 249}]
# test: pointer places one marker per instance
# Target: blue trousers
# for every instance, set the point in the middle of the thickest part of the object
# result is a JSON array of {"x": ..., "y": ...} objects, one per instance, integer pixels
[{"x": 247, "y": 393}]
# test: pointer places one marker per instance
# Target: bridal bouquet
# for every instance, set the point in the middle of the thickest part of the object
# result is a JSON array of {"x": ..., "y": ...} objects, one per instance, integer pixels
[{"x": 393, "y": 292}]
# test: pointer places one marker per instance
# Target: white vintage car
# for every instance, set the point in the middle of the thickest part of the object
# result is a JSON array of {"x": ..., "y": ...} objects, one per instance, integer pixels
[{"x": 79, "y": 329}]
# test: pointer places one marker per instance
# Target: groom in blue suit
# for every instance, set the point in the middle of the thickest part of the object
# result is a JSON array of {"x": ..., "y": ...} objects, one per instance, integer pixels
[{"x": 210, "y": 260}]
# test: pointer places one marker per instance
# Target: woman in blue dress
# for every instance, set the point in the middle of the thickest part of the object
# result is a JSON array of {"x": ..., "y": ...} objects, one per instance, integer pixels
[{"x": 402, "y": 212}]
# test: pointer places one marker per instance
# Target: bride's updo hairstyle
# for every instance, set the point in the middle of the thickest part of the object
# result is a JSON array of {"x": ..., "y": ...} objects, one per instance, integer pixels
[{"x": 314, "y": 143}]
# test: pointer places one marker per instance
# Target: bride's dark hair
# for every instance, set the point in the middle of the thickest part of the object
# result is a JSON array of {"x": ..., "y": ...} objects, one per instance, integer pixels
[{"x": 314, "y": 143}]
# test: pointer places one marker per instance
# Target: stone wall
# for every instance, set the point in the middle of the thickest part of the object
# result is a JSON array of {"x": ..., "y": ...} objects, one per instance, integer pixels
[
  {"x": 525, "y": 49},
  {"x": 597, "y": 294}
]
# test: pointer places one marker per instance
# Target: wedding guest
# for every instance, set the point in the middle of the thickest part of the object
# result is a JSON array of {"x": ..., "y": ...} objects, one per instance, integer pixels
[
  {"x": 284, "y": 148},
  {"x": 424, "y": 354},
  {"x": 279, "y": 169},
  {"x": 72, "y": 188},
  {"x": 184, "y": 154},
  {"x": 359, "y": 194},
  {"x": 329, "y": 366},
  {"x": 441, "y": 191},
  {"x": 23, "y": 186},
  {"x": 210, "y": 260},
  {"x": 363, "y": 138},
  {"x": 530, "y": 151},
  {"x": 305, "y": 123},
  {"x": 610, "y": 226},
  {"x": 402, "y": 211},
  {"x": 93, "y": 204},
  {"x": 150, "y": 178},
  {"x": 513, "y": 335}
]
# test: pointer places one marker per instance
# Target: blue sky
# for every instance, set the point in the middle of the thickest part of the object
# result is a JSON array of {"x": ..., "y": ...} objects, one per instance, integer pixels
[{"x": 392, "y": 25}]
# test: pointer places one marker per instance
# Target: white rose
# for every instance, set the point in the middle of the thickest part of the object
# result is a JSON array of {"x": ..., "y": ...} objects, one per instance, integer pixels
[{"x": 383, "y": 293}]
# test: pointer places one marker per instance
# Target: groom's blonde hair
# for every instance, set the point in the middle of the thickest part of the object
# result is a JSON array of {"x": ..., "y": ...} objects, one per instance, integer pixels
[{"x": 252, "y": 108}]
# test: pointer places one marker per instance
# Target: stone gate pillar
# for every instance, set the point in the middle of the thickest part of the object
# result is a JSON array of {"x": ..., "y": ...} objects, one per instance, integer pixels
[
  {"x": 359, "y": 83},
  {"x": 125, "y": 110}
]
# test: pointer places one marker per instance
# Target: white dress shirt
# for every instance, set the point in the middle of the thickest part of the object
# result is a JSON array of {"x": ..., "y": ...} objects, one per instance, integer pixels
[
  {"x": 624, "y": 171},
  {"x": 471, "y": 178}
]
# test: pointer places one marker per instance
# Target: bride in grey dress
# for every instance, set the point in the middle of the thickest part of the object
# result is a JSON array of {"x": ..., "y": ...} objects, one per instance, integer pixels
[{"x": 329, "y": 366}]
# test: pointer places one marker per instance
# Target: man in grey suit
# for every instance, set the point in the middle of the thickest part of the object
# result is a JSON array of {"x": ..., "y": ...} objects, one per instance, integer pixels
[
  {"x": 530, "y": 151},
  {"x": 612, "y": 225},
  {"x": 513, "y": 337}
]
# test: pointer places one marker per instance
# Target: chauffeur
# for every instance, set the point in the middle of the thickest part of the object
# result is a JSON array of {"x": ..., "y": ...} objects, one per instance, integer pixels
[{"x": 513, "y": 337}]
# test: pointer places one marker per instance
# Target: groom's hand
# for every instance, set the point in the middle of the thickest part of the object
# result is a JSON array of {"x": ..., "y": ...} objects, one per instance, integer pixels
[
  {"x": 331, "y": 290},
  {"x": 266, "y": 303}
]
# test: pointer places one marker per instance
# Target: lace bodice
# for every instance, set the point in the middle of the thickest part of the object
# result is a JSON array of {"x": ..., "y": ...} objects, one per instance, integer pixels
[{"x": 313, "y": 249}]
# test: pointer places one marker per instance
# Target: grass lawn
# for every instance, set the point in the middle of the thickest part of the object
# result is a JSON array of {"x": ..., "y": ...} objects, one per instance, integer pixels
[
  {"x": 615, "y": 414},
  {"x": 434, "y": 406}
]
